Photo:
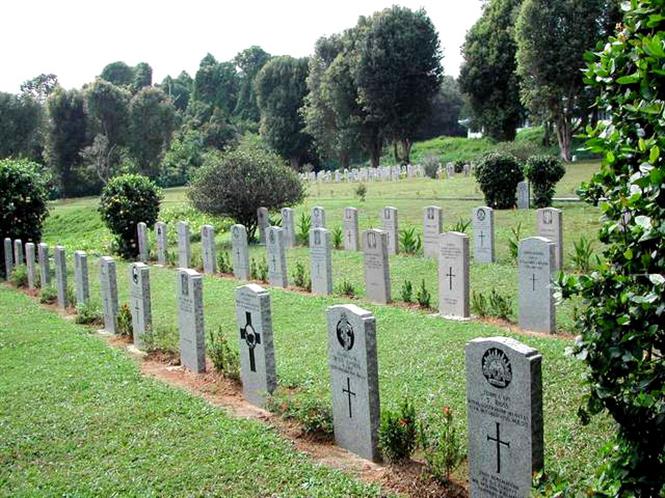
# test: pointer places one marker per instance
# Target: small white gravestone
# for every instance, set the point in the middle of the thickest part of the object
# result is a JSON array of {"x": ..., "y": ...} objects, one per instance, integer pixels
[
  {"x": 240, "y": 252},
  {"x": 9, "y": 257},
  {"x": 536, "y": 294},
  {"x": 109, "y": 290},
  {"x": 276, "y": 250},
  {"x": 263, "y": 222},
  {"x": 354, "y": 382},
  {"x": 184, "y": 248},
  {"x": 318, "y": 217},
  {"x": 320, "y": 249},
  {"x": 139, "y": 302},
  {"x": 432, "y": 228},
  {"x": 454, "y": 275},
  {"x": 289, "y": 226},
  {"x": 81, "y": 277},
  {"x": 44, "y": 264},
  {"x": 376, "y": 266},
  {"x": 190, "y": 320},
  {"x": 162, "y": 242},
  {"x": 61, "y": 276},
  {"x": 482, "y": 220},
  {"x": 18, "y": 252},
  {"x": 523, "y": 195},
  {"x": 550, "y": 226},
  {"x": 144, "y": 246},
  {"x": 351, "y": 234},
  {"x": 257, "y": 353},
  {"x": 391, "y": 227},
  {"x": 31, "y": 264},
  {"x": 208, "y": 249}
]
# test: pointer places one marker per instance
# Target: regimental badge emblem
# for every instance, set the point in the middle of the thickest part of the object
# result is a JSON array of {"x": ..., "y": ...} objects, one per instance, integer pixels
[
  {"x": 135, "y": 274},
  {"x": 236, "y": 232},
  {"x": 430, "y": 213},
  {"x": 480, "y": 214},
  {"x": 345, "y": 335},
  {"x": 547, "y": 217},
  {"x": 496, "y": 368},
  {"x": 271, "y": 236},
  {"x": 184, "y": 284},
  {"x": 371, "y": 240}
]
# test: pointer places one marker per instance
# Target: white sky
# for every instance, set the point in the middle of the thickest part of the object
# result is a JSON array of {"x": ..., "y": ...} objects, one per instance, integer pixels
[{"x": 75, "y": 39}]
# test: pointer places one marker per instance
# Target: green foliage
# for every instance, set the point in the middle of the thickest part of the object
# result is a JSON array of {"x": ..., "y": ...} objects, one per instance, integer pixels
[
  {"x": 431, "y": 166},
  {"x": 543, "y": 173},
  {"x": 221, "y": 185},
  {"x": 40, "y": 87},
  {"x": 346, "y": 288},
  {"x": 622, "y": 337},
  {"x": 338, "y": 237},
  {"x": 88, "y": 314},
  {"x": 479, "y": 305},
  {"x": 442, "y": 444},
  {"x": 304, "y": 226},
  {"x": 108, "y": 111},
  {"x": 126, "y": 201},
  {"x": 262, "y": 270},
  {"x": 20, "y": 127},
  {"x": 23, "y": 198},
  {"x": 410, "y": 240},
  {"x": 314, "y": 414},
  {"x": 124, "y": 319},
  {"x": 447, "y": 108},
  {"x": 164, "y": 339},
  {"x": 582, "y": 255},
  {"x": 498, "y": 176},
  {"x": 118, "y": 73},
  {"x": 461, "y": 226},
  {"x": 224, "y": 264},
  {"x": 184, "y": 156},
  {"x": 398, "y": 433},
  {"x": 19, "y": 276},
  {"x": 361, "y": 192},
  {"x": 496, "y": 305},
  {"x": 250, "y": 61},
  {"x": 423, "y": 296},
  {"x": 224, "y": 359},
  {"x": 407, "y": 291},
  {"x": 300, "y": 276},
  {"x": 514, "y": 240},
  {"x": 216, "y": 84},
  {"x": 48, "y": 295},
  {"x": 179, "y": 89}
]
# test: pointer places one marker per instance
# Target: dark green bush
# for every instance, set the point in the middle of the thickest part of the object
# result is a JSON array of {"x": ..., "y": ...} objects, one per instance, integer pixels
[
  {"x": 543, "y": 173},
  {"x": 224, "y": 359},
  {"x": 498, "y": 176},
  {"x": 431, "y": 166},
  {"x": 126, "y": 201},
  {"x": 398, "y": 433},
  {"x": 19, "y": 276},
  {"x": 125, "y": 321},
  {"x": 23, "y": 197}
]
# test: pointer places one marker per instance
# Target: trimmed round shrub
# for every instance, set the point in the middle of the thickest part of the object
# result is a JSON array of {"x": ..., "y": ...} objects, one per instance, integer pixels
[
  {"x": 237, "y": 182},
  {"x": 543, "y": 173},
  {"x": 23, "y": 201},
  {"x": 431, "y": 166},
  {"x": 126, "y": 201},
  {"x": 498, "y": 176}
]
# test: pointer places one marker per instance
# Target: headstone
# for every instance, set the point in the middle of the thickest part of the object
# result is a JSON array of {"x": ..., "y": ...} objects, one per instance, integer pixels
[
  {"x": 162, "y": 242},
  {"x": 483, "y": 234},
  {"x": 432, "y": 228},
  {"x": 184, "y": 249},
  {"x": 505, "y": 416},
  {"x": 31, "y": 264},
  {"x": 61, "y": 276},
  {"x": 208, "y": 249},
  {"x": 536, "y": 257},
  {"x": 190, "y": 320},
  {"x": 257, "y": 353},
  {"x": 44, "y": 265},
  {"x": 276, "y": 251},
  {"x": 354, "y": 381},
  {"x": 81, "y": 277},
  {"x": 523, "y": 195},
  {"x": 289, "y": 226},
  {"x": 18, "y": 252},
  {"x": 144, "y": 247},
  {"x": 240, "y": 252},
  {"x": 550, "y": 226},
  {"x": 391, "y": 227},
  {"x": 263, "y": 223},
  {"x": 9, "y": 257},
  {"x": 318, "y": 217},
  {"x": 139, "y": 302},
  {"x": 109, "y": 290},
  {"x": 320, "y": 249},
  {"x": 450, "y": 170},
  {"x": 377, "y": 268},
  {"x": 351, "y": 234},
  {"x": 454, "y": 275}
]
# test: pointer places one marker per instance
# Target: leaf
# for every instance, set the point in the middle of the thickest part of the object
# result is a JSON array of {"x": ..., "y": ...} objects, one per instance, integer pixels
[
  {"x": 629, "y": 79},
  {"x": 654, "y": 154},
  {"x": 656, "y": 279}
]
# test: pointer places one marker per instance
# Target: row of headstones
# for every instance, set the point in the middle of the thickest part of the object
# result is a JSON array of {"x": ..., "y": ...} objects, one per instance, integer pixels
[{"x": 382, "y": 173}]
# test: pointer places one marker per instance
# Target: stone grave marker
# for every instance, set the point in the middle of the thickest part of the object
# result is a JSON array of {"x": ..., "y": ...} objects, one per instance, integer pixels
[
  {"x": 139, "y": 302},
  {"x": 162, "y": 242},
  {"x": 550, "y": 226},
  {"x": 354, "y": 382},
  {"x": 44, "y": 264},
  {"x": 351, "y": 234},
  {"x": 31, "y": 264},
  {"x": 144, "y": 246},
  {"x": 376, "y": 266},
  {"x": 454, "y": 275},
  {"x": 536, "y": 256},
  {"x": 109, "y": 290},
  {"x": 482, "y": 220},
  {"x": 263, "y": 223},
  {"x": 320, "y": 249},
  {"x": 240, "y": 252},
  {"x": 505, "y": 416},
  {"x": 61, "y": 276},
  {"x": 391, "y": 227},
  {"x": 190, "y": 320},
  {"x": 289, "y": 226},
  {"x": 18, "y": 252},
  {"x": 257, "y": 353},
  {"x": 81, "y": 277},
  {"x": 9, "y": 257},
  {"x": 318, "y": 217},
  {"x": 184, "y": 248},
  {"x": 432, "y": 228},
  {"x": 208, "y": 249},
  {"x": 275, "y": 246},
  {"x": 523, "y": 195}
]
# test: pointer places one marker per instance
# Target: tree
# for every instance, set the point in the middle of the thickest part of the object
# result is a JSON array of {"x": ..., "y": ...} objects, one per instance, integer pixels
[
  {"x": 40, "y": 87},
  {"x": 280, "y": 90},
  {"x": 249, "y": 61},
  {"x": 550, "y": 61},
  {"x": 179, "y": 89},
  {"x": 446, "y": 112},
  {"x": 108, "y": 108},
  {"x": 398, "y": 73},
  {"x": 152, "y": 121},
  {"x": 118, "y": 73},
  {"x": 216, "y": 83},
  {"x": 142, "y": 76},
  {"x": 488, "y": 75},
  {"x": 20, "y": 120}
]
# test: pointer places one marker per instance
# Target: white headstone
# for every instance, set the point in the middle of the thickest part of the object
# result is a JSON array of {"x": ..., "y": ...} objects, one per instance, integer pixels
[
  {"x": 190, "y": 320},
  {"x": 432, "y": 228},
  {"x": 18, "y": 252},
  {"x": 289, "y": 226},
  {"x": 550, "y": 226},
  {"x": 318, "y": 217},
  {"x": 376, "y": 265},
  {"x": 44, "y": 265},
  {"x": 9, "y": 257},
  {"x": 240, "y": 252},
  {"x": 351, "y": 234},
  {"x": 320, "y": 249},
  {"x": 162, "y": 242},
  {"x": 523, "y": 195},
  {"x": 139, "y": 302},
  {"x": 144, "y": 246},
  {"x": 184, "y": 248},
  {"x": 263, "y": 223},
  {"x": 276, "y": 251},
  {"x": 536, "y": 256},
  {"x": 81, "y": 277},
  {"x": 208, "y": 249},
  {"x": 109, "y": 290},
  {"x": 454, "y": 275},
  {"x": 391, "y": 227},
  {"x": 61, "y": 276},
  {"x": 31, "y": 264},
  {"x": 482, "y": 220}
]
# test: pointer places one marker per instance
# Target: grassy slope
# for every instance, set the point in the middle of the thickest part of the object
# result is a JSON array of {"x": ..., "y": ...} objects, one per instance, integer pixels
[{"x": 77, "y": 418}]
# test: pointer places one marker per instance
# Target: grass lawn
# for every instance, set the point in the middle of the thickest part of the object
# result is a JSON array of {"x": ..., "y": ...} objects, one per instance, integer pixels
[{"x": 77, "y": 419}]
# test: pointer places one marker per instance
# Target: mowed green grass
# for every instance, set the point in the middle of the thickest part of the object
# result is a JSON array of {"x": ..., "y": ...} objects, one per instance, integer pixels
[{"x": 78, "y": 419}]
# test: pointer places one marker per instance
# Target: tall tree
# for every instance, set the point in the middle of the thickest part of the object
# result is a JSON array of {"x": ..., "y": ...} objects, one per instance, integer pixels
[
  {"x": 216, "y": 84},
  {"x": 119, "y": 73},
  {"x": 398, "y": 73},
  {"x": 20, "y": 120},
  {"x": 488, "y": 76},
  {"x": 40, "y": 87},
  {"x": 249, "y": 61},
  {"x": 108, "y": 108},
  {"x": 446, "y": 111},
  {"x": 179, "y": 89},
  {"x": 142, "y": 76},
  {"x": 280, "y": 90}
]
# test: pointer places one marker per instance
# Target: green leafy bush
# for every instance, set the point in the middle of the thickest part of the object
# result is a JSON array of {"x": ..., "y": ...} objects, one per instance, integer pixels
[
  {"x": 407, "y": 291},
  {"x": 19, "y": 276},
  {"x": 23, "y": 198},
  {"x": 398, "y": 433},
  {"x": 127, "y": 200},
  {"x": 442, "y": 445},
  {"x": 361, "y": 192},
  {"x": 337, "y": 237},
  {"x": 224, "y": 262},
  {"x": 543, "y": 173},
  {"x": 314, "y": 414},
  {"x": 496, "y": 305},
  {"x": 410, "y": 240},
  {"x": 498, "y": 176},
  {"x": 88, "y": 314},
  {"x": 347, "y": 289},
  {"x": 514, "y": 240},
  {"x": 304, "y": 226},
  {"x": 300, "y": 276},
  {"x": 461, "y": 226},
  {"x": 582, "y": 255},
  {"x": 125, "y": 321},
  {"x": 48, "y": 295},
  {"x": 423, "y": 296},
  {"x": 224, "y": 359},
  {"x": 431, "y": 166}
]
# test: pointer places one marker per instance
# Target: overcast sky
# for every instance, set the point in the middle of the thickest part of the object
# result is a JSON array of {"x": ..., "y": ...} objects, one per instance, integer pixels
[{"x": 75, "y": 39}]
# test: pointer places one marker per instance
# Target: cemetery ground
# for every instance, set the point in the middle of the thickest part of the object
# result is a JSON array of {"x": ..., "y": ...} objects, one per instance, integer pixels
[{"x": 421, "y": 356}]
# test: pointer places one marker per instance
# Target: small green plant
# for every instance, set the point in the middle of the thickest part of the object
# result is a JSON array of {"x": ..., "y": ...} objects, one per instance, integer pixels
[
  {"x": 19, "y": 276},
  {"x": 71, "y": 296},
  {"x": 346, "y": 288},
  {"x": 88, "y": 314},
  {"x": 442, "y": 445},
  {"x": 407, "y": 291},
  {"x": 299, "y": 276},
  {"x": 262, "y": 270},
  {"x": 514, "y": 240},
  {"x": 275, "y": 221},
  {"x": 253, "y": 270},
  {"x": 582, "y": 255},
  {"x": 479, "y": 305},
  {"x": 423, "y": 296},
  {"x": 398, "y": 433},
  {"x": 461, "y": 226},
  {"x": 48, "y": 295},
  {"x": 337, "y": 237},
  {"x": 410, "y": 240},
  {"x": 224, "y": 262},
  {"x": 543, "y": 173},
  {"x": 313, "y": 414},
  {"x": 431, "y": 166},
  {"x": 500, "y": 306},
  {"x": 125, "y": 321},
  {"x": 171, "y": 258},
  {"x": 163, "y": 338},
  {"x": 304, "y": 226},
  {"x": 361, "y": 192},
  {"x": 224, "y": 359}
]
